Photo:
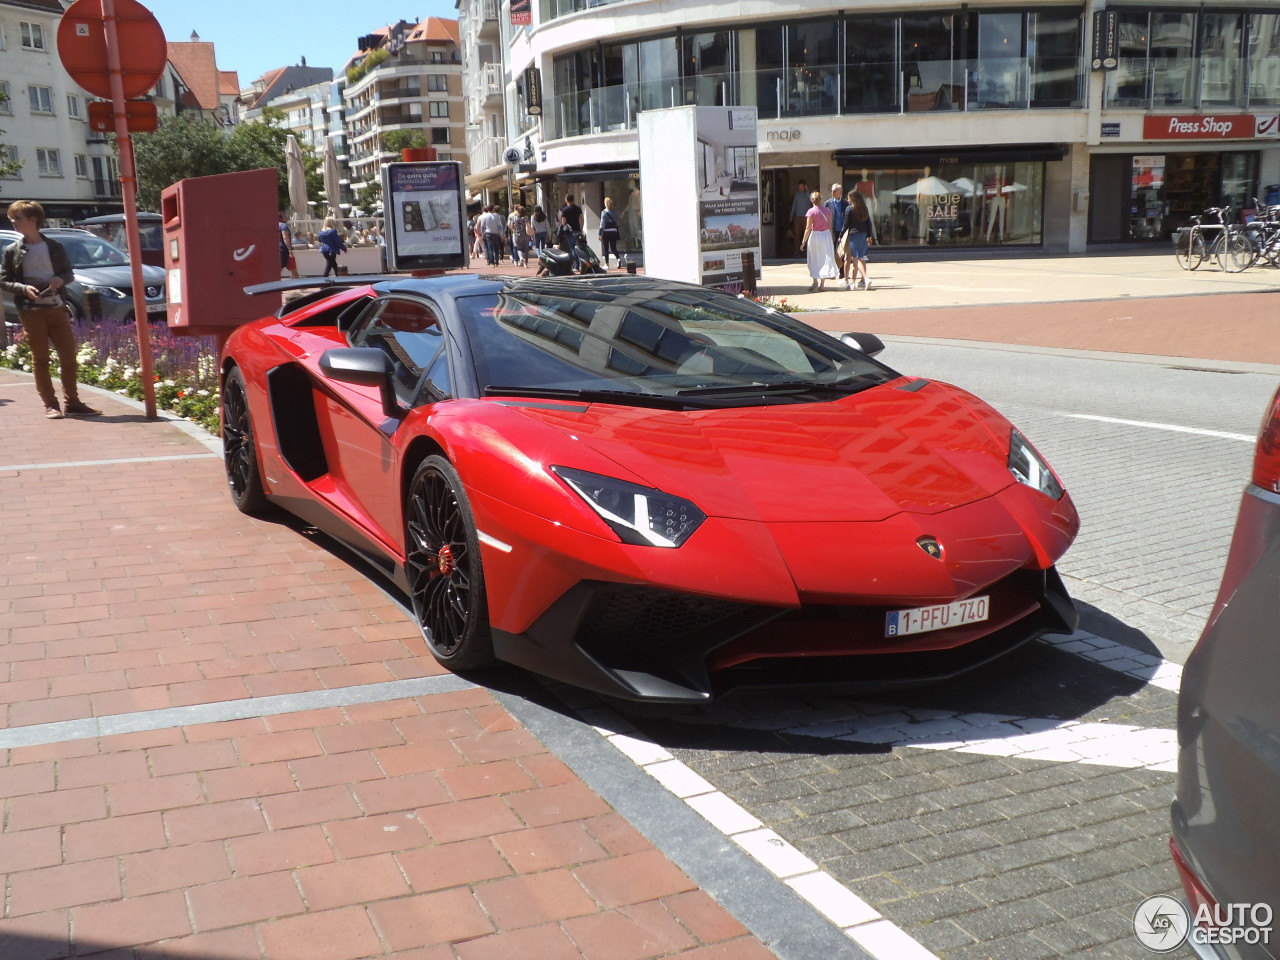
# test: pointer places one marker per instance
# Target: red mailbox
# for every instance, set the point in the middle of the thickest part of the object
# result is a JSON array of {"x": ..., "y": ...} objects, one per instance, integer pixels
[{"x": 221, "y": 234}]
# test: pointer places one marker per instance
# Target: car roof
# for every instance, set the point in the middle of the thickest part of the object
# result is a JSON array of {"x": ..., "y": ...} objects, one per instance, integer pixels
[{"x": 120, "y": 218}]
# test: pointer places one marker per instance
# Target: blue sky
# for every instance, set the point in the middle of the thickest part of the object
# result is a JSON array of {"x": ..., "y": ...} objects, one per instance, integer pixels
[{"x": 254, "y": 36}]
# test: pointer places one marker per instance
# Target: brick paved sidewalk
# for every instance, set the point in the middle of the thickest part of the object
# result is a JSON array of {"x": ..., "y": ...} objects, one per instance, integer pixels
[{"x": 429, "y": 827}]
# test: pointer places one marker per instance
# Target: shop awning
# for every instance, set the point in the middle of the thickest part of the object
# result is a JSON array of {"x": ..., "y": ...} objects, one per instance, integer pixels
[
  {"x": 491, "y": 177},
  {"x": 598, "y": 173},
  {"x": 936, "y": 156}
]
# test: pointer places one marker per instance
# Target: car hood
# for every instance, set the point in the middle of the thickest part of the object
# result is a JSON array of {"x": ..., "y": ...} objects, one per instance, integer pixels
[
  {"x": 900, "y": 447},
  {"x": 121, "y": 277}
]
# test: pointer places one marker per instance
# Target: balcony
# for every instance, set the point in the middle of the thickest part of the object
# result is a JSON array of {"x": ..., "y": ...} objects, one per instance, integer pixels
[
  {"x": 106, "y": 189},
  {"x": 817, "y": 90},
  {"x": 492, "y": 80},
  {"x": 486, "y": 153}
]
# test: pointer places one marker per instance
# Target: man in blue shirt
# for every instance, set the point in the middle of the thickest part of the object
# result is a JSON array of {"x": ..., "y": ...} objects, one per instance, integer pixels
[{"x": 836, "y": 205}]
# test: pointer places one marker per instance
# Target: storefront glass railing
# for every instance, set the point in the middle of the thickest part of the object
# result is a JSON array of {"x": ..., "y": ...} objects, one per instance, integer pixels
[{"x": 816, "y": 90}]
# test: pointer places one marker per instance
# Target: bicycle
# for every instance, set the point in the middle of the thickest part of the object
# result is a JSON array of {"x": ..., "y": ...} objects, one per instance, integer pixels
[
  {"x": 1230, "y": 245},
  {"x": 1264, "y": 234}
]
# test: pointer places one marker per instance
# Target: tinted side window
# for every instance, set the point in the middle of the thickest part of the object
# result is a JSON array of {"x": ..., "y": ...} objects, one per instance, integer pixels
[{"x": 408, "y": 331}]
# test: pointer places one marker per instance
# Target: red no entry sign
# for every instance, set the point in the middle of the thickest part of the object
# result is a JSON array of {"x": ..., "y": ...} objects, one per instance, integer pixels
[{"x": 82, "y": 45}]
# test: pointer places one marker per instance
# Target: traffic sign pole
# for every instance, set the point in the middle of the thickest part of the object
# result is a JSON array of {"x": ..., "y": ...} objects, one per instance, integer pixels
[{"x": 129, "y": 194}]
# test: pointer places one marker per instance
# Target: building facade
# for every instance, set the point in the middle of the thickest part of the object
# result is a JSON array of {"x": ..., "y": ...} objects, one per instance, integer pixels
[
  {"x": 407, "y": 77},
  {"x": 1030, "y": 126},
  {"x": 67, "y": 167}
]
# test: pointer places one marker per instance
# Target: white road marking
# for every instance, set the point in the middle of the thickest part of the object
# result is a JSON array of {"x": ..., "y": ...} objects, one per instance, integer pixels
[
  {"x": 1171, "y": 427},
  {"x": 1026, "y": 738},
  {"x": 103, "y": 463}
]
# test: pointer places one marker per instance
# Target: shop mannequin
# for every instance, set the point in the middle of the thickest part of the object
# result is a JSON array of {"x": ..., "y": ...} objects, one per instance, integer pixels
[
  {"x": 923, "y": 190},
  {"x": 996, "y": 205}
]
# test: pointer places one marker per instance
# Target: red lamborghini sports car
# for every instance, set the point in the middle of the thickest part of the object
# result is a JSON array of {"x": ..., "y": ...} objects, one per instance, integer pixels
[{"x": 649, "y": 489}]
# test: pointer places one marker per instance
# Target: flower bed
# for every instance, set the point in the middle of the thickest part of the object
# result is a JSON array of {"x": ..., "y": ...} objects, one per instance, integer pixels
[{"x": 185, "y": 369}]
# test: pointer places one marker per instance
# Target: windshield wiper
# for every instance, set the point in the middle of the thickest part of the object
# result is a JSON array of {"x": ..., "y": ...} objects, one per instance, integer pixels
[
  {"x": 781, "y": 386},
  {"x": 622, "y": 397}
]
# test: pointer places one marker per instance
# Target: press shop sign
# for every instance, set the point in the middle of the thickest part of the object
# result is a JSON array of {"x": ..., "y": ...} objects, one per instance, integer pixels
[{"x": 1243, "y": 126}]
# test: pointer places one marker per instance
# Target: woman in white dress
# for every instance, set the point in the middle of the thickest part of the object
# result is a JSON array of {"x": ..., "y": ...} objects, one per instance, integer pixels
[{"x": 818, "y": 246}]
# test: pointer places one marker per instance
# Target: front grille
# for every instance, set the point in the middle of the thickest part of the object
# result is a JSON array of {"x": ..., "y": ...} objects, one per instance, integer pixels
[{"x": 623, "y": 621}]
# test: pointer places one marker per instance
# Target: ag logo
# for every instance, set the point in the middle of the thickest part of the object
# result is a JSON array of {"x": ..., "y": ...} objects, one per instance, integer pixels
[{"x": 1160, "y": 923}]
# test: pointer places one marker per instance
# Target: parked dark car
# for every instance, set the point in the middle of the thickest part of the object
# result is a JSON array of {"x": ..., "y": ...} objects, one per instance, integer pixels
[
  {"x": 103, "y": 286},
  {"x": 112, "y": 227},
  {"x": 1226, "y": 835}
]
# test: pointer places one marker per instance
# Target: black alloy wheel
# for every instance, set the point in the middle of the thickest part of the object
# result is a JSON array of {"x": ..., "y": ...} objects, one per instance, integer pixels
[
  {"x": 239, "y": 454},
  {"x": 442, "y": 565}
]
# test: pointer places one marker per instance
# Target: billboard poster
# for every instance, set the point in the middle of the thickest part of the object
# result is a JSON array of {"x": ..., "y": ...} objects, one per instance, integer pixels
[
  {"x": 423, "y": 210},
  {"x": 520, "y": 13},
  {"x": 728, "y": 176}
]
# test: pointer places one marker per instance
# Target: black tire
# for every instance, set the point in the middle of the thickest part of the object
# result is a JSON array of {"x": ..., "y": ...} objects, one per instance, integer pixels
[
  {"x": 1235, "y": 252},
  {"x": 239, "y": 452},
  {"x": 443, "y": 568},
  {"x": 74, "y": 309}
]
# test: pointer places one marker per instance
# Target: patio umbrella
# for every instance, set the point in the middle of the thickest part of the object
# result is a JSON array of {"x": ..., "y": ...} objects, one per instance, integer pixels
[
  {"x": 1013, "y": 188},
  {"x": 929, "y": 186},
  {"x": 965, "y": 186},
  {"x": 332, "y": 178},
  {"x": 297, "y": 176}
]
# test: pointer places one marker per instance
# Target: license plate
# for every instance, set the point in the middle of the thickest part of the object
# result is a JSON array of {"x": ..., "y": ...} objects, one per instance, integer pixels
[
  {"x": 157, "y": 307},
  {"x": 900, "y": 623}
]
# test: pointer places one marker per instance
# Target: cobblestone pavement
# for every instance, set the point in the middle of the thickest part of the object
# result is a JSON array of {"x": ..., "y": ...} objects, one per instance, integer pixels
[{"x": 976, "y": 851}]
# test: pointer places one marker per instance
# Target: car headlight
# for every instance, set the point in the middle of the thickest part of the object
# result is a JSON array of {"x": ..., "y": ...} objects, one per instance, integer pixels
[
  {"x": 639, "y": 515},
  {"x": 1030, "y": 468},
  {"x": 109, "y": 293}
]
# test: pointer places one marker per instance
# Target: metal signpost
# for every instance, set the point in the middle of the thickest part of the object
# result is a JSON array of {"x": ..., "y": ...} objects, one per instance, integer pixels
[{"x": 91, "y": 38}]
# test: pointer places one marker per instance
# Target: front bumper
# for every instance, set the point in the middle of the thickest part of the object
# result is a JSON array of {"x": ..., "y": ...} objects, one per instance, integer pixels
[{"x": 644, "y": 643}]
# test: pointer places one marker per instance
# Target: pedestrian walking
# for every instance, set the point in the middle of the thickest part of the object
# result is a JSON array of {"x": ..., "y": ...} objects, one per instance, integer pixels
[
  {"x": 856, "y": 239},
  {"x": 34, "y": 269},
  {"x": 331, "y": 244},
  {"x": 610, "y": 230},
  {"x": 491, "y": 227},
  {"x": 287, "y": 260},
  {"x": 572, "y": 214},
  {"x": 836, "y": 205},
  {"x": 799, "y": 210},
  {"x": 817, "y": 244},
  {"x": 518, "y": 229},
  {"x": 541, "y": 227}
]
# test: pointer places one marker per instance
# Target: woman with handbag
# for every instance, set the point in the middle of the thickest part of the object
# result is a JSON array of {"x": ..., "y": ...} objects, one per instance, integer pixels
[
  {"x": 857, "y": 237},
  {"x": 541, "y": 227},
  {"x": 610, "y": 230}
]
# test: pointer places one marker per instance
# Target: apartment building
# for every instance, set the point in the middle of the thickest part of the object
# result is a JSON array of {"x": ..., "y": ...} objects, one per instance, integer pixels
[{"x": 405, "y": 77}]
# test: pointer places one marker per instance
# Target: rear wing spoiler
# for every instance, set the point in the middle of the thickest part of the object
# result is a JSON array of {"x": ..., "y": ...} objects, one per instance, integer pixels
[{"x": 320, "y": 283}]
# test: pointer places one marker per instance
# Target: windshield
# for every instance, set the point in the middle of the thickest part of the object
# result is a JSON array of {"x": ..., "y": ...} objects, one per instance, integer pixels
[
  {"x": 86, "y": 251},
  {"x": 681, "y": 342}
]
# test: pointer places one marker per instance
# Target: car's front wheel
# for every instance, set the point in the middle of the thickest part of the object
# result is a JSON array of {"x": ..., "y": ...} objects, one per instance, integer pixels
[
  {"x": 442, "y": 563},
  {"x": 239, "y": 453}
]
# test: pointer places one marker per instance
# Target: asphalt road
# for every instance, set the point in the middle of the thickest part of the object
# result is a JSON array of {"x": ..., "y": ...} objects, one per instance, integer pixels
[{"x": 1020, "y": 812}]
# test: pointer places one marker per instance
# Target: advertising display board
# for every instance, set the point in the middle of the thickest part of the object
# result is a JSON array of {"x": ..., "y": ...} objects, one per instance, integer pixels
[
  {"x": 424, "y": 215},
  {"x": 729, "y": 192},
  {"x": 707, "y": 161}
]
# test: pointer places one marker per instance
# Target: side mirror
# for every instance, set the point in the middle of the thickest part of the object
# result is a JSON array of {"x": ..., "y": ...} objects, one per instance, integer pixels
[
  {"x": 367, "y": 366},
  {"x": 867, "y": 343}
]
